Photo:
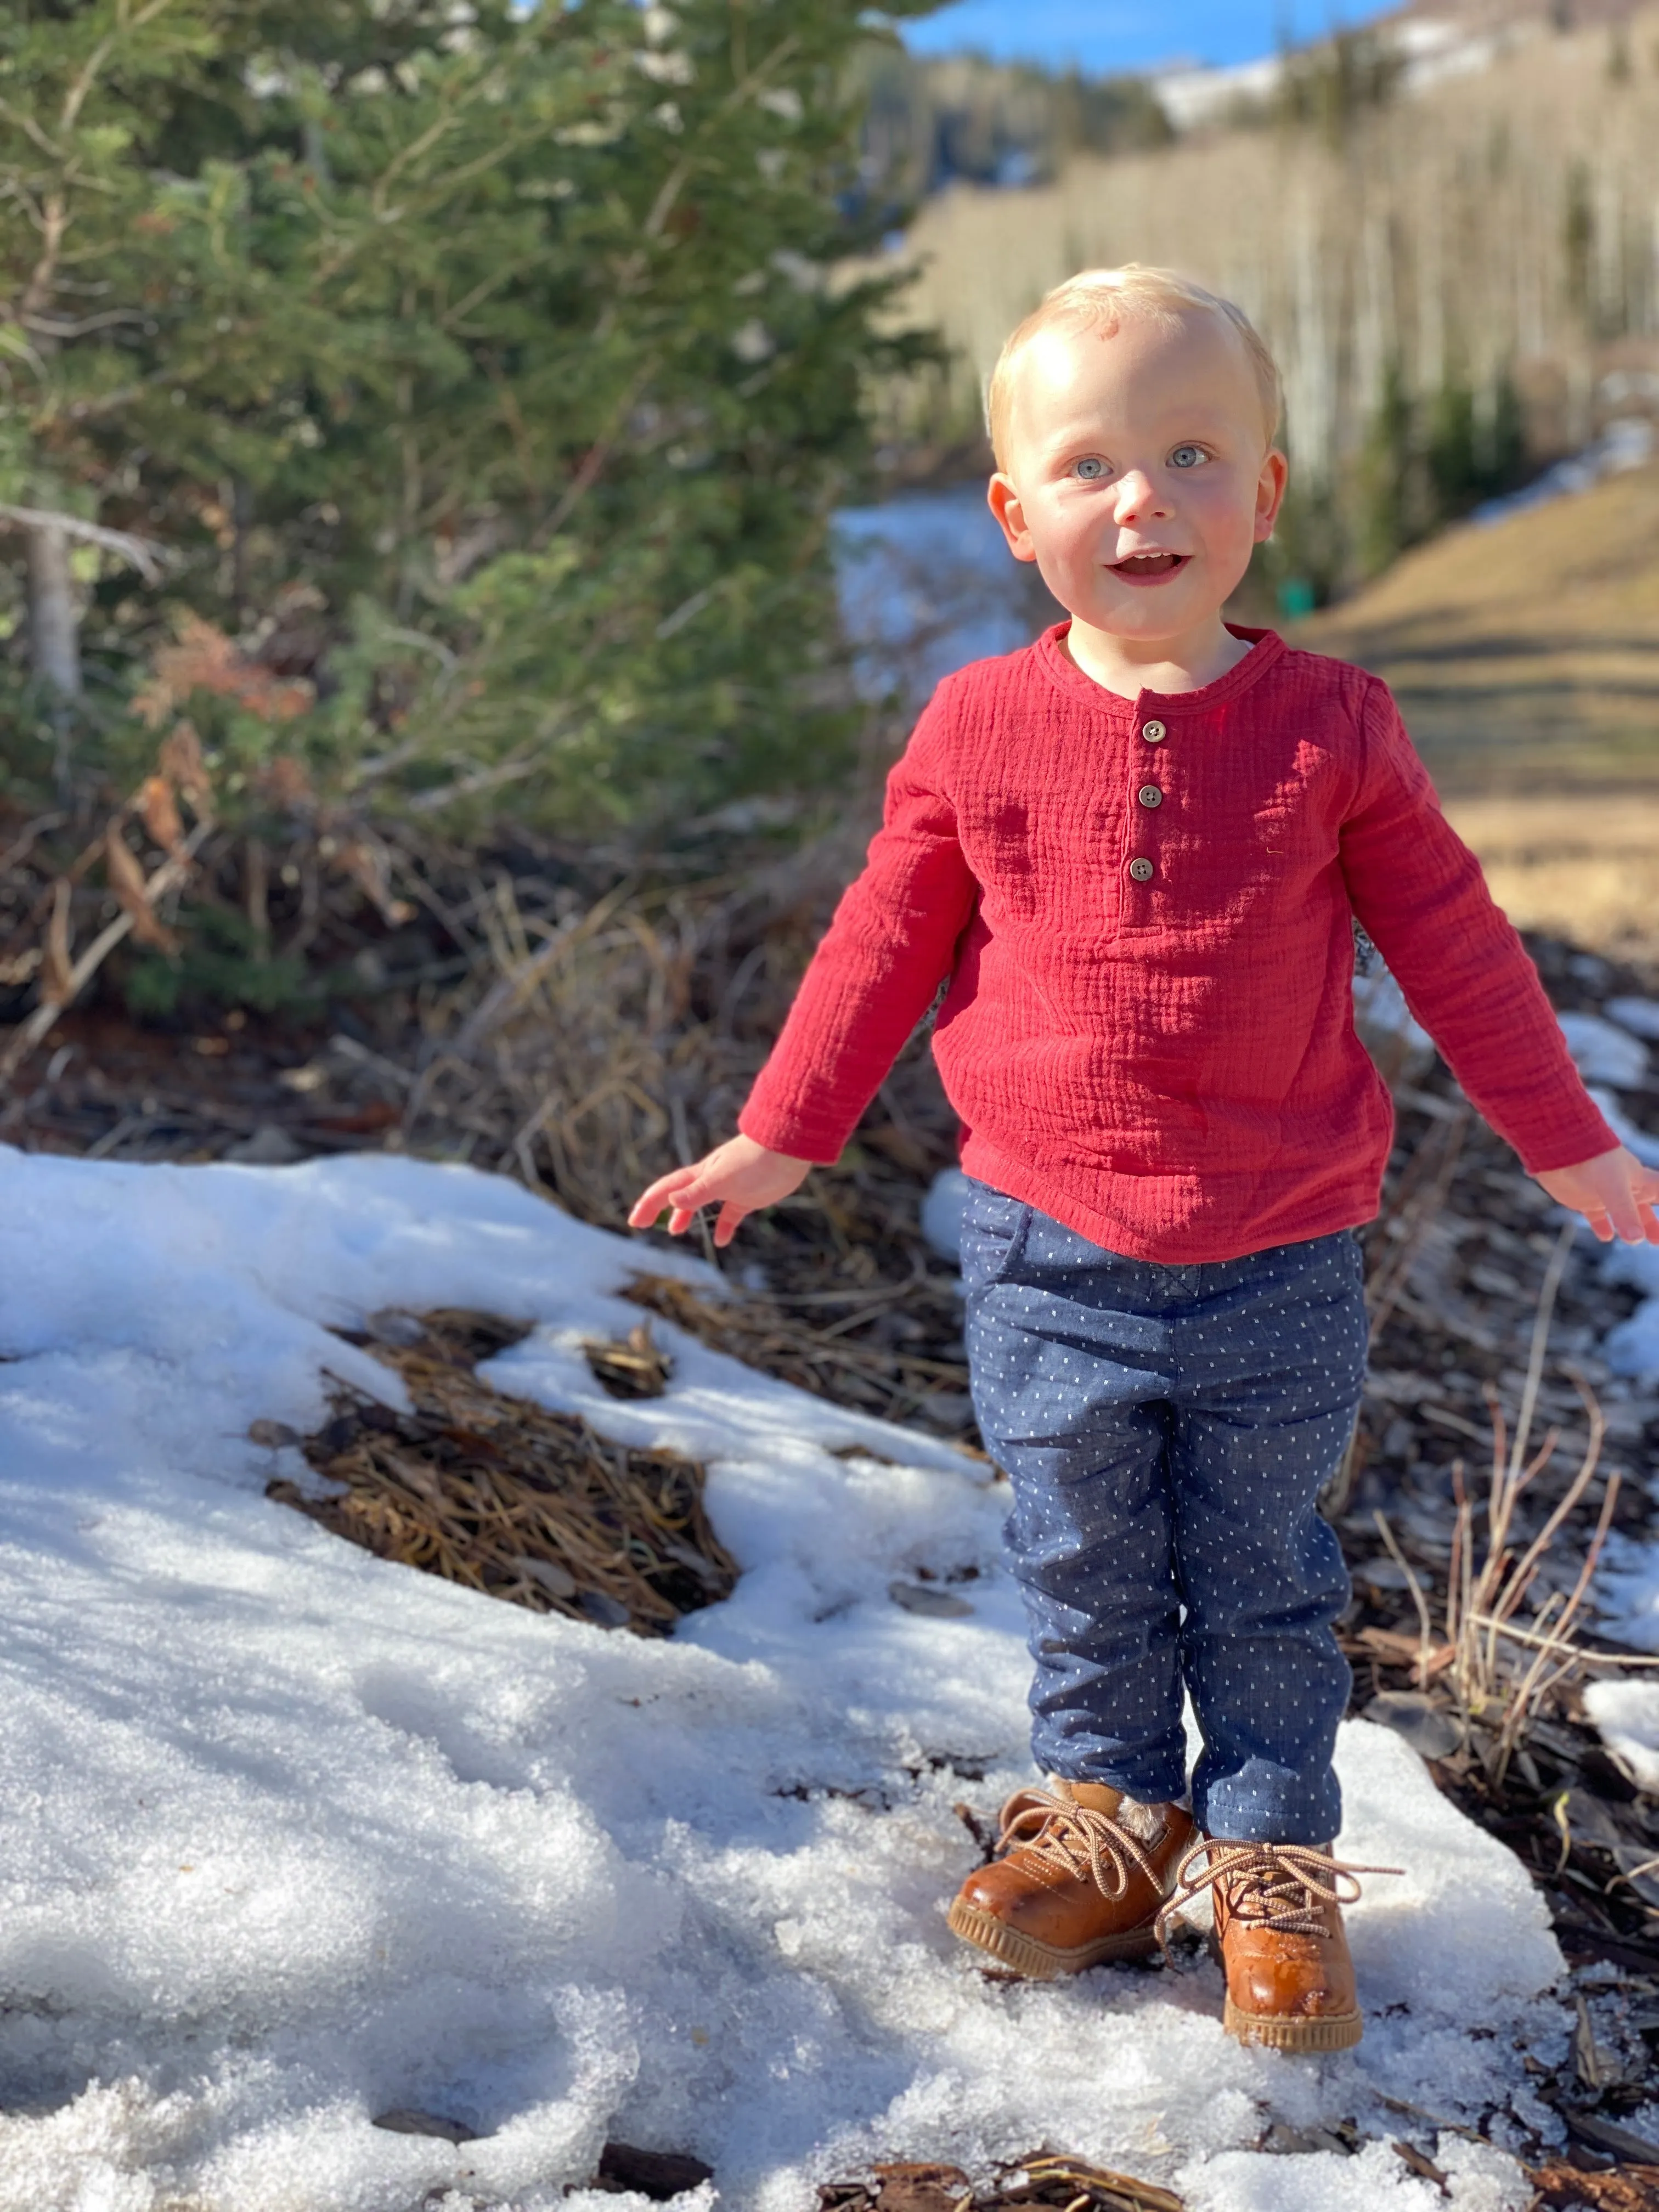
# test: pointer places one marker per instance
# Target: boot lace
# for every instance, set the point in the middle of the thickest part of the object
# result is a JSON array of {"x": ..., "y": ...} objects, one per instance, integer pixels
[
  {"x": 1076, "y": 1838},
  {"x": 1283, "y": 1886}
]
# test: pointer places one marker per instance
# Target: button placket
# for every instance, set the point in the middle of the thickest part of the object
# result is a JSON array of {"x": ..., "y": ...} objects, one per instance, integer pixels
[{"x": 1148, "y": 797}]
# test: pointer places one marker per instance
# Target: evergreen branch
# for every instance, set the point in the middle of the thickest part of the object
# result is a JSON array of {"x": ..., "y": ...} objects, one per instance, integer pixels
[
  {"x": 75, "y": 98},
  {"x": 142, "y": 554},
  {"x": 592, "y": 463},
  {"x": 26, "y": 123}
]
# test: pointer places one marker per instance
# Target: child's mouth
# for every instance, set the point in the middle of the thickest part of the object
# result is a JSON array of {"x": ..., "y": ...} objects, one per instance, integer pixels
[{"x": 1149, "y": 567}]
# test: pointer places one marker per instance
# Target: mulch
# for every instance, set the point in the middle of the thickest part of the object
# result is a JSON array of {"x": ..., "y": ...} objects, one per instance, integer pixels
[{"x": 495, "y": 1492}]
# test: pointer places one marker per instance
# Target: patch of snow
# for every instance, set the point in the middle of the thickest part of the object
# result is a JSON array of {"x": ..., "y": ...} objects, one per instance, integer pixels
[
  {"x": 293, "y": 1837},
  {"x": 1626, "y": 1717},
  {"x": 1627, "y": 1592},
  {"x": 1387, "y": 1027},
  {"x": 1645, "y": 1147},
  {"x": 1626, "y": 443},
  {"x": 1632, "y": 1348},
  {"x": 927, "y": 583},
  {"x": 1639, "y": 1016},
  {"x": 1603, "y": 1052},
  {"x": 941, "y": 1213}
]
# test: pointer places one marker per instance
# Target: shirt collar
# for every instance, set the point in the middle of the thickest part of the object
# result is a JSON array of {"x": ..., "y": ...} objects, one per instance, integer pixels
[{"x": 1267, "y": 649}]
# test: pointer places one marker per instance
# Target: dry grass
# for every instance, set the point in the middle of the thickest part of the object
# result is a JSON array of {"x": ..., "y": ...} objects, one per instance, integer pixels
[
  {"x": 1525, "y": 656},
  {"x": 499, "y": 1494},
  {"x": 1500, "y": 1670},
  {"x": 597, "y": 1048},
  {"x": 1524, "y": 652}
]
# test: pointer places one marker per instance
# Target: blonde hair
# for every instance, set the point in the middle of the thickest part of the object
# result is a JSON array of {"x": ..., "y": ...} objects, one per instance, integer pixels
[{"x": 1098, "y": 299}]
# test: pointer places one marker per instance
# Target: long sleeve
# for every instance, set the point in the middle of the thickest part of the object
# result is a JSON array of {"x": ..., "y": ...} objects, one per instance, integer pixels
[
  {"x": 1420, "y": 896},
  {"x": 892, "y": 941}
]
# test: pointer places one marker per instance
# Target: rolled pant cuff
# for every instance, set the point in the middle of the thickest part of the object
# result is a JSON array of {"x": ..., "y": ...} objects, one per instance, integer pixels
[{"x": 1253, "y": 1816}]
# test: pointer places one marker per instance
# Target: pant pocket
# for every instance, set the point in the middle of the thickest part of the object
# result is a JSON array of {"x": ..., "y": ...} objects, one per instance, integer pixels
[{"x": 994, "y": 1230}]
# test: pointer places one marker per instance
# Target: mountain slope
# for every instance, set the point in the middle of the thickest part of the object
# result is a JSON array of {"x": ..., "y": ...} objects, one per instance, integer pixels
[{"x": 1525, "y": 656}]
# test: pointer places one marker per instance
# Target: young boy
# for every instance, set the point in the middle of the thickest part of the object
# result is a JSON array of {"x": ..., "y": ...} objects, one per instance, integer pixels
[{"x": 1136, "y": 850}]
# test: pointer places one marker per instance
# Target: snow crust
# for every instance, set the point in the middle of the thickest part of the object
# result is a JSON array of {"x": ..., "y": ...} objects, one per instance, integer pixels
[
  {"x": 1604, "y": 1052},
  {"x": 1639, "y": 1016},
  {"x": 290, "y": 1836},
  {"x": 1627, "y": 1716}
]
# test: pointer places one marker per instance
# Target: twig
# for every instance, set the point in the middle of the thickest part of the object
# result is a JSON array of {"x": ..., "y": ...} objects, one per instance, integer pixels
[
  {"x": 24, "y": 1038},
  {"x": 1426, "y": 1639},
  {"x": 143, "y": 554}
]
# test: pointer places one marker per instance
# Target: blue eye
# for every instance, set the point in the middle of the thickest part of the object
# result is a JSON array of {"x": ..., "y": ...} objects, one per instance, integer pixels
[
  {"x": 1188, "y": 457},
  {"x": 1090, "y": 468}
]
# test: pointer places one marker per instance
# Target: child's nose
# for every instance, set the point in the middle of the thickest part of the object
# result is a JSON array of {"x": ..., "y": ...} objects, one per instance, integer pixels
[{"x": 1138, "y": 497}]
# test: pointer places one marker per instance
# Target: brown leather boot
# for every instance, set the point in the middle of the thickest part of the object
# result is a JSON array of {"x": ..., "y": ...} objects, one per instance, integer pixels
[
  {"x": 1081, "y": 1874},
  {"x": 1280, "y": 1936}
]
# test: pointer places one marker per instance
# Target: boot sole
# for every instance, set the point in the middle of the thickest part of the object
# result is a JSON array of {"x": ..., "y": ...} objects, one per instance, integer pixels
[
  {"x": 1043, "y": 1962},
  {"x": 1327, "y": 2032}
]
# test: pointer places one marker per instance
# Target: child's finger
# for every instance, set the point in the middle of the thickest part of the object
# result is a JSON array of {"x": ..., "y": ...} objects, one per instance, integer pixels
[
  {"x": 650, "y": 1203},
  {"x": 1624, "y": 1217},
  {"x": 730, "y": 1216}
]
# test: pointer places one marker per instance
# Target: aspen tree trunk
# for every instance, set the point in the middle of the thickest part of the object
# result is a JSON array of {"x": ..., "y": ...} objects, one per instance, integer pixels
[{"x": 54, "y": 619}]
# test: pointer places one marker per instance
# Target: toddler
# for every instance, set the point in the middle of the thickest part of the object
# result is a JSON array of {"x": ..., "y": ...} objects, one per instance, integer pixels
[{"x": 1136, "y": 850}]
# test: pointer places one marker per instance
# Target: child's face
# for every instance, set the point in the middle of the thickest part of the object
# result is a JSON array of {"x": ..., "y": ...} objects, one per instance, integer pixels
[{"x": 1137, "y": 472}]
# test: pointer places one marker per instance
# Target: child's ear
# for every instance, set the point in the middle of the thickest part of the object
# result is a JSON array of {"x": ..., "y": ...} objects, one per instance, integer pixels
[
  {"x": 1270, "y": 493},
  {"x": 1004, "y": 504}
]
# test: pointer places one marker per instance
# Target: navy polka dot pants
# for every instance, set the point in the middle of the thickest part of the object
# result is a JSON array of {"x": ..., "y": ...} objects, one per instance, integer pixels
[{"x": 1167, "y": 1432}]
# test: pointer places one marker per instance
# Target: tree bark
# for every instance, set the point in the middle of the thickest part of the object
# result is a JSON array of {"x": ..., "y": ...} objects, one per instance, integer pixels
[{"x": 54, "y": 618}]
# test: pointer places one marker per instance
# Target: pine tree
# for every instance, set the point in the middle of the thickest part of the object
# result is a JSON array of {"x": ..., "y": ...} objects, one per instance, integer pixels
[{"x": 494, "y": 373}]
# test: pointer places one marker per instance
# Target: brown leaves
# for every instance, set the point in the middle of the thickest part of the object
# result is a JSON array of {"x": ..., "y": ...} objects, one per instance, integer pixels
[
  {"x": 57, "y": 967},
  {"x": 158, "y": 809},
  {"x": 204, "y": 660},
  {"x": 179, "y": 760},
  {"x": 285, "y": 781},
  {"x": 1627, "y": 2189},
  {"x": 1039, "y": 2180},
  {"x": 127, "y": 880},
  {"x": 366, "y": 861}
]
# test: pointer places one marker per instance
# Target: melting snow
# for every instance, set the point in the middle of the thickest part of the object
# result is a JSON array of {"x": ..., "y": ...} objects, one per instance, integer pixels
[
  {"x": 1627, "y": 1716},
  {"x": 1602, "y": 1052},
  {"x": 290, "y": 1836}
]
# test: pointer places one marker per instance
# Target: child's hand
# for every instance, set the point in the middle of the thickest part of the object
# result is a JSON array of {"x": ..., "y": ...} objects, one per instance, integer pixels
[
  {"x": 739, "y": 1177},
  {"x": 1615, "y": 1193}
]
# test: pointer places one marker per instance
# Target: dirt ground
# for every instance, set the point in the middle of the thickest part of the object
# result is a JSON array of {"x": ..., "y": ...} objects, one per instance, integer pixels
[{"x": 1525, "y": 656}]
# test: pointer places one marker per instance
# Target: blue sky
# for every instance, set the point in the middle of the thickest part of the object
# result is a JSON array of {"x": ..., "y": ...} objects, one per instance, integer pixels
[{"x": 1104, "y": 35}]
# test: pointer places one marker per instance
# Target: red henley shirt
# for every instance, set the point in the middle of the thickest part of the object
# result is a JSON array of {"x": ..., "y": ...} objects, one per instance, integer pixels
[{"x": 1143, "y": 908}]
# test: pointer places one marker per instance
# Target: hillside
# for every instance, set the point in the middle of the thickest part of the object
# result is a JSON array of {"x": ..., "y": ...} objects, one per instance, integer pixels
[
  {"x": 1444, "y": 278},
  {"x": 1525, "y": 654}
]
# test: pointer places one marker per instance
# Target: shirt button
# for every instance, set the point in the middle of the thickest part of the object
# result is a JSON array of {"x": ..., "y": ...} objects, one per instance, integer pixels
[
  {"x": 1154, "y": 732},
  {"x": 1149, "y": 795},
  {"x": 1141, "y": 870}
]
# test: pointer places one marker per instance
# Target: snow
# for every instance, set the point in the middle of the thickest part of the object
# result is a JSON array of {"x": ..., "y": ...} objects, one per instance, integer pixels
[
  {"x": 1386, "y": 1027},
  {"x": 1645, "y": 1147},
  {"x": 1627, "y": 1592},
  {"x": 291, "y": 1837},
  {"x": 926, "y": 583},
  {"x": 1625, "y": 443},
  {"x": 1603, "y": 1052},
  {"x": 942, "y": 1211},
  {"x": 1632, "y": 1348},
  {"x": 1639, "y": 1016},
  {"x": 1627, "y": 1715}
]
